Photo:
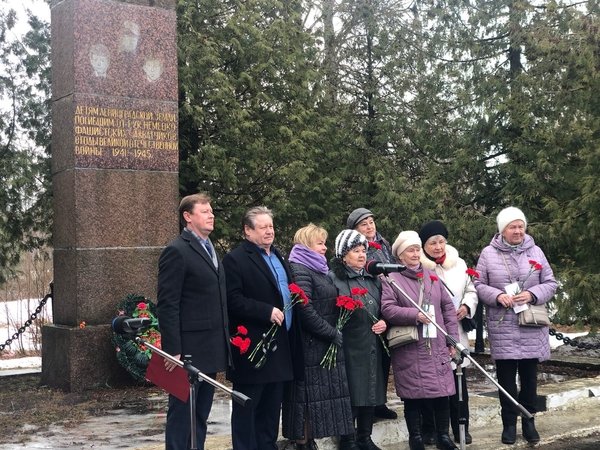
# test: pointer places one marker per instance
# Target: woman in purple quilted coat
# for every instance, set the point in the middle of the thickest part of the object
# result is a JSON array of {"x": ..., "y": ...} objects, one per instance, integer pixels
[
  {"x": 422, "y": 370},
  {"x": 514, "y": 272}
]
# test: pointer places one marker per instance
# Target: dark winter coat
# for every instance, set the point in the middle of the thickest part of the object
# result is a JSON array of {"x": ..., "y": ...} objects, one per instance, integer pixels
[
  {"x": 420, "y": 372},
  {"x": 508, "y": 340},
  {"x": 252, "y": 292},
  {"x": 323, "y": 396},
  {"x": 383, "y": 254},
  {"x": 192, "y": 304},
  {"x": 362, "y": 347}
]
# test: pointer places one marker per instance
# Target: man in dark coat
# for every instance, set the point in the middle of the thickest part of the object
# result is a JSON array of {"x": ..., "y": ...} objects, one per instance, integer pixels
[
  {"x": 192, "y": 314},
  {"x": 257, "y": 292}
]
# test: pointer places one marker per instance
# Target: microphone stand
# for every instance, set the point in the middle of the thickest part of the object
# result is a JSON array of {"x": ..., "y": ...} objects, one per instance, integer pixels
[
  {"x": 462, "y": 420},
  {"x": 193, "y": 375},
  {"x": 461, "y": 349}
]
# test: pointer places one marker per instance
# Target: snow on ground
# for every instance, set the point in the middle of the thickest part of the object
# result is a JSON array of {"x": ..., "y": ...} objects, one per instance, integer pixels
[{"x": 13, "y": 315}]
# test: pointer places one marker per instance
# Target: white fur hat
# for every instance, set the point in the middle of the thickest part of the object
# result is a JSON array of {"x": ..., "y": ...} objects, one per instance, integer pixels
[
  {"x": 404, "y": 240},
  {"x": 347, "y": 240},
  {"x": 508, "y": 215}
]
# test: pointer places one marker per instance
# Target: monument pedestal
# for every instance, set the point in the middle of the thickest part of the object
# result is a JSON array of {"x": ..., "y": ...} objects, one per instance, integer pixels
[
  {"x": 114, "y": 173},
  {"x": 79, "y": 359}
]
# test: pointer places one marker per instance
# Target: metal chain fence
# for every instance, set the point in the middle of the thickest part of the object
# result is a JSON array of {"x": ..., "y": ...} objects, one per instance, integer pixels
[
  {"x": 29, "y": 321},
  {"x": 568, "y": 341}
]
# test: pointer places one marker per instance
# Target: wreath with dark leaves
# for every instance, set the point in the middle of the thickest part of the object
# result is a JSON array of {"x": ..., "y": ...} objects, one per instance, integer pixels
[{"x": 133, "y": 357}]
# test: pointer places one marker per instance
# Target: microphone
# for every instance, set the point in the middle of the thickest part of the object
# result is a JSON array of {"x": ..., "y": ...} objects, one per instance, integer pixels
[
  {"x": 127, "y": 325},
  {"x": 375, "y": 268}
]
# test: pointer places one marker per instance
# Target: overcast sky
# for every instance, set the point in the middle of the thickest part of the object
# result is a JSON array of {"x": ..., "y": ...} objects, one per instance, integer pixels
[{"x": 39, "y": 7}]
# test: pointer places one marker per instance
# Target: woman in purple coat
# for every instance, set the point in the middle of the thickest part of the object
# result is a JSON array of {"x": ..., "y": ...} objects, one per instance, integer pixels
[
  {"x": 422, "y": 370},
  {"x": 511, "y": 276}
]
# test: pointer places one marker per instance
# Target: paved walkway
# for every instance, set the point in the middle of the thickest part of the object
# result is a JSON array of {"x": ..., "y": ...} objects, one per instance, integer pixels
[{"x": 572, "y": 411}]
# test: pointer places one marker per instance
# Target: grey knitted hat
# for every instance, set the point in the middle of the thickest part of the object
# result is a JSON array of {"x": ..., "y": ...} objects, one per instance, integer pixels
[{"x": 347, "y": 240}]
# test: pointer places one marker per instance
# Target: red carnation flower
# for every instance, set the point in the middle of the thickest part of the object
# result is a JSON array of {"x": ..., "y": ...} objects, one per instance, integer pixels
[
  {"x": 297, "y": 291},
  {"x": 375, "y": 245},
  {"x": 472, "y": 273},
  {"x": 433, "y": 277},
  {"x": 142, "y": 305},
  {"x": 241, "y": 329}
]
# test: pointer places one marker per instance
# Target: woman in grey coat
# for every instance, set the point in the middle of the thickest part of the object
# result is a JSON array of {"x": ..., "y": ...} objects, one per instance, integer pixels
[
  {"x": 422, "y": 370},
  {"x": 318, "y": 405},
  {"x": 508, "y": 279},
  {"x": 362, "y": 345}
]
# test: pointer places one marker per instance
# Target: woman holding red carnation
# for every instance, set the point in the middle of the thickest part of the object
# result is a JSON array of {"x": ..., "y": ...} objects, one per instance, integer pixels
[
  {"x": 515, "y": 272},
  {"x": 380, "y": 250},
  {"x": 362, "y": 346},
  {"x": 318, "y": 405},
  {"x": 422, "y": 373}
]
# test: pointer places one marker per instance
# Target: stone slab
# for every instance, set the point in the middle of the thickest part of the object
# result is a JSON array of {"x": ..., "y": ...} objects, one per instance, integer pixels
[
  {"x": 79, "y": 359},
  {"x": 88, "y": 284},
  {"x": 113, "y": 208}
]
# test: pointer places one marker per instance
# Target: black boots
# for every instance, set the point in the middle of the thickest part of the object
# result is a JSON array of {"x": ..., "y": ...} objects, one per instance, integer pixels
[
  {"x": 509, "y": 433},
  {"x": 427, "y": 423},
  {"x": 413, "y": 423},
  {"x": 383, "y": 412},
  {"x": 309, "y": 445},
  {"x": 468, "y": 437},
  {"x": 529, "y": 432},
  {"x": 348, "y": 442},
  {"x": 364, "y": 428},
  {"x": 442, "y": 423}
]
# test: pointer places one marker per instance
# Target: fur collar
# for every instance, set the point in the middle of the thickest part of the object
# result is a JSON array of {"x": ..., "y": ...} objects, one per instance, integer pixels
[
  {"x": 449, "y": 263},
  {"x": 338, "y": 268}
]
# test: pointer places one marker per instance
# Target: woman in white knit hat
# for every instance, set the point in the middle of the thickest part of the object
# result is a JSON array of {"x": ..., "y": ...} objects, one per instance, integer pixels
[
  {"x": 514, "y": 272},
  {"x": 362, "y": 346},
  {"x": 422, "y": 373}
]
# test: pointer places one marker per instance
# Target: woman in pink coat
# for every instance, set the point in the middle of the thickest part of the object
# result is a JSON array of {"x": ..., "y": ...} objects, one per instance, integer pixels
[
  {"x": 513, "y": 272},
  {"x": 422, "y": 370}
]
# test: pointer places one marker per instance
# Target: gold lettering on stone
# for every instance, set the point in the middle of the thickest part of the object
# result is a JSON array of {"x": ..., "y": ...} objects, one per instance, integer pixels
[{"x": 124, "y": 133}]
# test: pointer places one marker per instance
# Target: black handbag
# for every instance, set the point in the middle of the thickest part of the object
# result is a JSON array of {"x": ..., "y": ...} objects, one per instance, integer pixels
[{"x": 468, "y": 324}]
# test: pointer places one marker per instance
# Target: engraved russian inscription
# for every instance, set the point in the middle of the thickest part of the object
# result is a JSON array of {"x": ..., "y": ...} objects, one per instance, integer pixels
[{"x": 124, "y": 133}]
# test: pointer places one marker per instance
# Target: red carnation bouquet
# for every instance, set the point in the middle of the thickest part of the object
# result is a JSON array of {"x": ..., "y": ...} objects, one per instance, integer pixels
[
  {"x": 268, "y": 343},
  {"x": 534, "y": 266},
  {"x": 347, "y": 306},
  {"x": 240, "y": 340}
]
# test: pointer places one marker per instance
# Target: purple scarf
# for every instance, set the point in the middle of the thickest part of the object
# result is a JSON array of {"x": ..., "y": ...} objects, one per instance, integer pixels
[{"x": 303, "y": 255}]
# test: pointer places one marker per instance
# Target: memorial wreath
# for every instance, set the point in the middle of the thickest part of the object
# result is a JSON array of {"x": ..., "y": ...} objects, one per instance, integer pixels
[{"x": 133, "y": 357}]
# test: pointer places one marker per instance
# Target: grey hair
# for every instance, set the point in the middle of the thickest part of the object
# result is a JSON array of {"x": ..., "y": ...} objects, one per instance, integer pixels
[{"x": 249, "y": 218}]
